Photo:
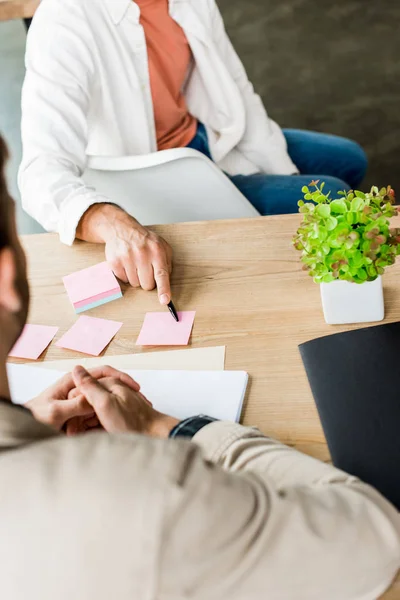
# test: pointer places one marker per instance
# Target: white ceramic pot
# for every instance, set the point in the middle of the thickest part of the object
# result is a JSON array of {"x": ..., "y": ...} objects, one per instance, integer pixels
[{"x": 345, "y": 302}]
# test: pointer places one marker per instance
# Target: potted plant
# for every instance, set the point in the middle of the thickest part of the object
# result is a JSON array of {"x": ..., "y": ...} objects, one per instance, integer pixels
[{"x": 346, "y": 243}]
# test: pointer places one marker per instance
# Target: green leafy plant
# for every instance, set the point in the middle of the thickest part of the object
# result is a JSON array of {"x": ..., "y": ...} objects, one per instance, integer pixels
[{"x": 347, "y": 238}]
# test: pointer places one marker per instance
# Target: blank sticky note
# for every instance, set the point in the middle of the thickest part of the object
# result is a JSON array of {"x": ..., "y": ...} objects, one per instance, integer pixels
[
  {"x": 92, "y": 287},
  {"x": 161, "y": 329},
  {"x": 89, "y": 335},
  {"x": 33, "y": 341}
]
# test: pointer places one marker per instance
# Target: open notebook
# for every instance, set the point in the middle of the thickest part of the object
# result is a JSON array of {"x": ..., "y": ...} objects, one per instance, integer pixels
[{"x": 180, "y": 394}]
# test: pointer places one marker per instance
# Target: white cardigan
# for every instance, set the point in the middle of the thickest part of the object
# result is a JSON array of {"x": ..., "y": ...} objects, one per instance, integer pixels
[{"x": 87, "y": 93}]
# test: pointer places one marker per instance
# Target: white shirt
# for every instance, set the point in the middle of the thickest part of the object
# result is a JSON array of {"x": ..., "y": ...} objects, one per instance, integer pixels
[{"x": 87, "y": 93}]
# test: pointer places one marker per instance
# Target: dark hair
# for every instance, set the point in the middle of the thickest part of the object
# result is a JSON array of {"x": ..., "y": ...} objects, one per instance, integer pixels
[{"x": 4, "y": 198}]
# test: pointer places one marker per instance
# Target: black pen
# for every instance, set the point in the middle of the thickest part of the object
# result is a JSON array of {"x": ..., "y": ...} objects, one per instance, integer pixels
[{"x": 173, "y": 312}]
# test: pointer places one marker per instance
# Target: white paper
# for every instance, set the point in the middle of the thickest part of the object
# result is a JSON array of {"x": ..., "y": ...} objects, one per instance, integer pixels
[
  {"x": 180, "y": 394},
  {"x": 183, "y": 394},
  {"x": 193, "y": 359},
  {"x": 27, "y": 382}
]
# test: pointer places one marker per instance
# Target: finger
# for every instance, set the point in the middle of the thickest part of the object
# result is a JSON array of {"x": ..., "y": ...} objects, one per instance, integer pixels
[
  {"x": 79, "y": 425},
  {"x": 131, "y": 273},
  {"x": 161, "y": 275},
  {"x": 145, "y": 399},
  {"x": 107, "y": 371},
  {"x": 146, "y": 276},
  {"x": 62, "y": 388},
  {"x": 91, "y": 423},
  {"x": 169, "y": 259},
  {"x": 119, "y": 270},
  {"x": 73, "y": 393},
  {"x": 103, "y": 372},
  {"x": 94, "y": 392},
  {"x": 68, "y": 409},
  {"x": 114, "y": 386},
  {"x": 74, "y": 426},
  {"x": 93, "y": 429}
]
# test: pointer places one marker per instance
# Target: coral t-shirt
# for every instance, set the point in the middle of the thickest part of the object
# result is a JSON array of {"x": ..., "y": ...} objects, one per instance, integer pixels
[{"x": 169, "y": 58}]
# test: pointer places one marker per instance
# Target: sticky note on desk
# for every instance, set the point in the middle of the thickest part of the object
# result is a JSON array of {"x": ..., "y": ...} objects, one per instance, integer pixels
[
  {"x": 89, "y": 335},
  {"x": 160, "y": 329},
  {"x": 33, "y": 341},
  {"x": 92, "y": 287}
]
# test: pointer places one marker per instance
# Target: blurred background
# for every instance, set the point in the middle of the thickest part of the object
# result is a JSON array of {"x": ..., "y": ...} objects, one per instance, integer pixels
[{"x": 326, "y": 66}]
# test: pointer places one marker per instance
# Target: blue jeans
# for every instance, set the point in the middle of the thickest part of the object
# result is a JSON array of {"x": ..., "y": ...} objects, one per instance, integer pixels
[{"x": 340, "y": 162}]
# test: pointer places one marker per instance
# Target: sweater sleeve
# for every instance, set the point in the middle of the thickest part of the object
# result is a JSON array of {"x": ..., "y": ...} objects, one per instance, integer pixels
[{"x": 259, "y": 520}]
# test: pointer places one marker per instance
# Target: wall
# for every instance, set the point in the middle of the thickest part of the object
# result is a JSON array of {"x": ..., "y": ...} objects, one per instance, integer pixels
[{"x": 328, "y": 66}]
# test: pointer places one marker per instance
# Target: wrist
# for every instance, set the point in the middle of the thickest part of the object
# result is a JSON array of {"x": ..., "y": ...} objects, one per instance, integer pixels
[
  {"x": 114, "y": 220},
  {"x": 102, "y": 221},
  {"x": 161, "y": 426}
]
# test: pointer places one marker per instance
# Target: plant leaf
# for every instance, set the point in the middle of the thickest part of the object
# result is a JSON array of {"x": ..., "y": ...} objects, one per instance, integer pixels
[
  {"x": 351, "y": 218},
  {"x": 357, "y": 204},
  {"x": 360, "y": 194},
  {"x": 331, "y": 223},
  {"x": 328, "y": 278},
  {"x": 362, "y": 274},
  {"x": 338, "y": 207},
  {"x": 324, "y": 210}
]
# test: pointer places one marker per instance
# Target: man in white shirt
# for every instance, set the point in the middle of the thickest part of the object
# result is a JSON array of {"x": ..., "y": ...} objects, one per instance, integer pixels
[{"x": 119, "y": 78}]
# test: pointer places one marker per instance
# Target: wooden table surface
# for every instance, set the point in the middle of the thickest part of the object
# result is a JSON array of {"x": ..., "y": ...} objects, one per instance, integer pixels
[
  {"x": 17, "y": 9},
  {"x": 246, "y": 283}
]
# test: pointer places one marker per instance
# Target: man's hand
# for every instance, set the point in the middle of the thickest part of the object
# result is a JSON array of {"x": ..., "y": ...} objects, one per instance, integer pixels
[
  {"x": 56, "y": 405},
  {"x": 120, "y": 408},
  {"x": 136, "y": 255},
  {"x": 52, "y": 407}
]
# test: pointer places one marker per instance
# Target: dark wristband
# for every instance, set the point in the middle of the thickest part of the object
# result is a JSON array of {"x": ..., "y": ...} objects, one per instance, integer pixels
[{"x": 189, "y": 427}]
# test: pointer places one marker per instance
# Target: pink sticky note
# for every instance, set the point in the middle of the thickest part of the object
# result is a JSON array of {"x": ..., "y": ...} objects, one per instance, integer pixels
[
  {"x": 33, "y": 341},
  {"x": 89, "y": 335},
  {"x": 91, "y": 285},
  {"x": 160, "y": 329}
]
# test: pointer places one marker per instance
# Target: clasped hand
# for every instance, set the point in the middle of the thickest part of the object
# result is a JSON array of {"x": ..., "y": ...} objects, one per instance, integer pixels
[{"x": 103, "y": 398}]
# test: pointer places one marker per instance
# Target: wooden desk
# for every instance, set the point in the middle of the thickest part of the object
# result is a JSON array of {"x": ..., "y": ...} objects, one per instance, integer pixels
[
  {"x": 17, "y": 9},
  {"x": 246, "y": 283}
]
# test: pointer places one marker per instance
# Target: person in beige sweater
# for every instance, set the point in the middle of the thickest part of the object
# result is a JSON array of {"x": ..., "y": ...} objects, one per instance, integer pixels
[{"x": 134, "y": 511}]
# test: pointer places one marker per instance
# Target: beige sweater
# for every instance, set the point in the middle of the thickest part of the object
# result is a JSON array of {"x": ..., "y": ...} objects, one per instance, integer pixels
[{"x": 232, "y": 515}]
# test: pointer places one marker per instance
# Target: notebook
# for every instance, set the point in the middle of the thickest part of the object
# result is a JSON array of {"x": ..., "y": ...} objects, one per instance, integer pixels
[
  {"x": 354, "y": 377},
  {"x": 180, "y": 394}
]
